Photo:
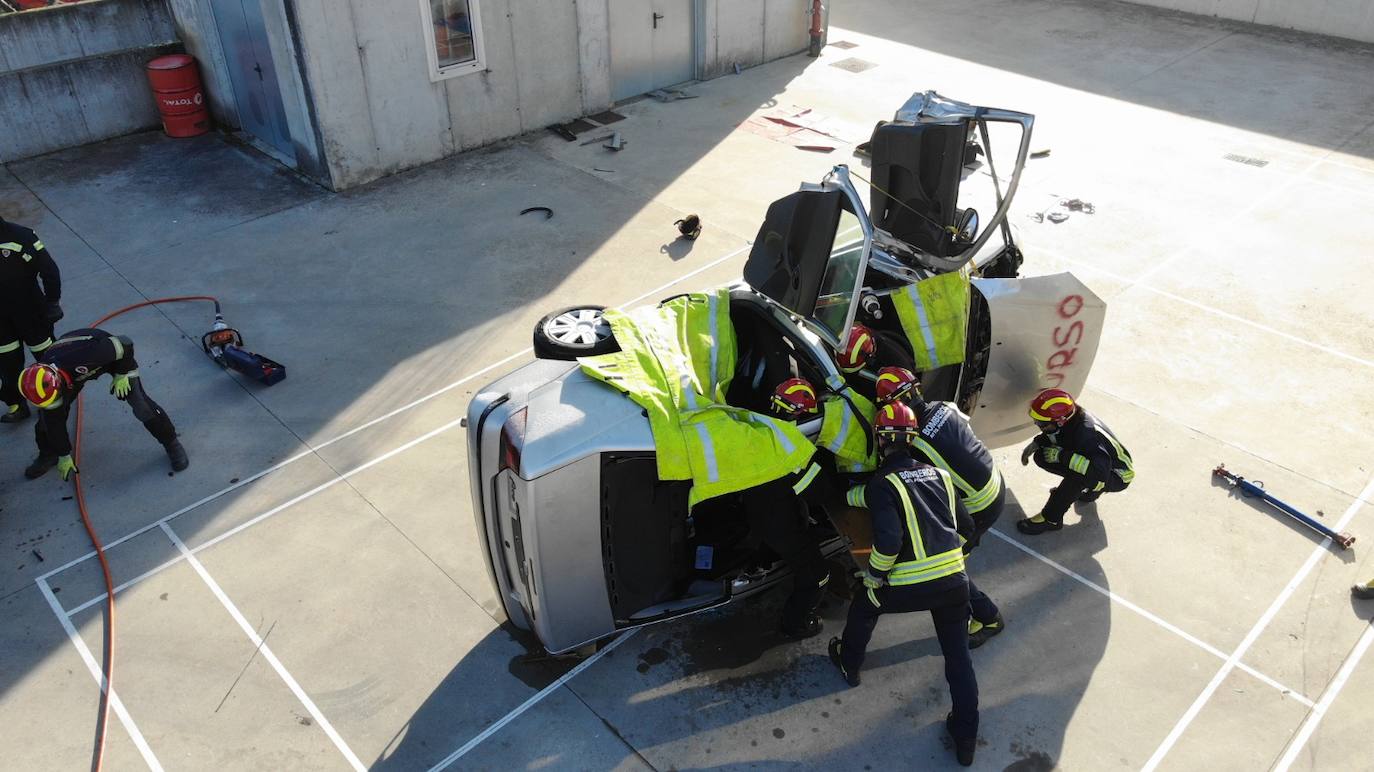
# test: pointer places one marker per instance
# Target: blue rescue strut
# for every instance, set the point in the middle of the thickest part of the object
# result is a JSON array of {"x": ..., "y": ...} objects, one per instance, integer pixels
[{"x": 1256, "y": 489}]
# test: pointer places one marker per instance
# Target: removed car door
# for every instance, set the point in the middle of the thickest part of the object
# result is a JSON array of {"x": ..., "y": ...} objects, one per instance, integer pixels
[{"x": 1045, "y": 332}]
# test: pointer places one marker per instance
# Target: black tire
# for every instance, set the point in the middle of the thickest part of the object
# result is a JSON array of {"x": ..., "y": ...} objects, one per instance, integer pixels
[{"x": 572, "y": 332}]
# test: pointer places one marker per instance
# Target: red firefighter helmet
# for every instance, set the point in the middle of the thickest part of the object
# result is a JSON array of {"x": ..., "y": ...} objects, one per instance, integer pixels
[
  {"x": 794, "y": 397},
  {"x": 860, "y": 348},
  {"x": 43, "y": 384},
  {"x": 895, "y": 421},
  {"x": 1052, "y": 406},
  {"x": 896, "y": 384}
]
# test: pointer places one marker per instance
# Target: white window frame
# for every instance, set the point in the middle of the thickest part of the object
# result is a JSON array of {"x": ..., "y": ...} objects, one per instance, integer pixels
[{"x": 479, "y": 62}]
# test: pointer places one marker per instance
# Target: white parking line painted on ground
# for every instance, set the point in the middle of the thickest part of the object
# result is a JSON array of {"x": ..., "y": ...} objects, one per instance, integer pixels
[
  {"x": 259, "y": 475},
  {"x": 265, "y": 650},
  {"x": 1131, "y": 283},
  {"x": 531, "y": 702},
  {"x": 1333, "y": 689},
  {"x": 1318, "y": 552},
  {"x": 270, "y": 513},
  {"x": 116, "y": 704},
  {"x": 313, "y": 449},
  {"x": 1175, "y": 629},
  {"x": 1271, "y": 194}
]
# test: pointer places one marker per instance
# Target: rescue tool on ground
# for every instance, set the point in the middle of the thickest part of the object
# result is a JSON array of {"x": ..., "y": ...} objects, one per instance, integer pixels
[
  {"x": 1256, "y": 489},
  {"x": 224, "y": 344},
  {"x": 53, "y": 388}
]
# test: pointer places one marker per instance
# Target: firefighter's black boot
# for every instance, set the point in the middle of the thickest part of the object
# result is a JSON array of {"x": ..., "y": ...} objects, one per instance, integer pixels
[
  {"x": 40, "y": 466},
  {"x": 1363, "y": 591},
  {"x": 1032, "y": 527},
  {"x": 984, "y": 631},
  {"x": 836, "y": 651},
  {"x": 15, "y": 413},
  {"x": 963, "y": 749},
  {"x": 177, "y": 455}
]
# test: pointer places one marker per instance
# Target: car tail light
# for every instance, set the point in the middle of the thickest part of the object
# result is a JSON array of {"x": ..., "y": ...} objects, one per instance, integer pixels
[{"x": 513, "y": 440}]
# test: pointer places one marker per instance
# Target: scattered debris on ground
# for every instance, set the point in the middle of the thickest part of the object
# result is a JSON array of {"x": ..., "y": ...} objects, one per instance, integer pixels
[
  {"x": 689, "y": 227},
  {"x": 804, "y": 128},
  {"x": 1060, "y": 210},
  {"x": 670, "y": 94}
]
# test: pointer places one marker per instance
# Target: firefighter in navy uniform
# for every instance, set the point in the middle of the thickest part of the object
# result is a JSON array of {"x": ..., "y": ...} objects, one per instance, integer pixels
[
  {"x": 27, "y": 311},
  {"x": 917, "y": 564},
  {"x": 1079, "y": 448},
  {"x": 53, "y": 384},
  {"x": 947, "y": 441}
]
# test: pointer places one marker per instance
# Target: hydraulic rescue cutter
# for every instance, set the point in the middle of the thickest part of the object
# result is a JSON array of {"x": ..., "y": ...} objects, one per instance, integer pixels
[
  {"x": 224, "y": 344},
  {"x": 1255, "y": 489}
]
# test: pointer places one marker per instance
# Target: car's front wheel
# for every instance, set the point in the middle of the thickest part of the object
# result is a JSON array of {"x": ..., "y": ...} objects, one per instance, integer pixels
[{"x": 577, "y": 331}]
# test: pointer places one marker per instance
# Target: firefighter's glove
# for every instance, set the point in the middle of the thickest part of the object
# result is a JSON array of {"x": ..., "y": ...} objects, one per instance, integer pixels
[
  {"x": 870, "y": 580},
  {"x": 1050, "y": 455},
  {"x": 120, "y": 387},
  {"x": 66, "y": 467},
  {"x": 53, "y": 313},
  {"x": 1028, "y": 451}
]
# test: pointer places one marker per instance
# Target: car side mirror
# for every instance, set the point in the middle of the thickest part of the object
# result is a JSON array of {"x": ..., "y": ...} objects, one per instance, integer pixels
[{"x": 966, "y": 229}]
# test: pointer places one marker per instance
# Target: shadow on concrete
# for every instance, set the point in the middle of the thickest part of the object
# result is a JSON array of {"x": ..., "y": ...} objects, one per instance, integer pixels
[
  {"x": 1289, "y": 85},
  {"x": 372, "y": 298},
  {"x": 721, "y": 689}
]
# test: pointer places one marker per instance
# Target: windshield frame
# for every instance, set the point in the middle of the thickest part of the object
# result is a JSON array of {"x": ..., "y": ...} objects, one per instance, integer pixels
[{"x": 838, "y": 179}]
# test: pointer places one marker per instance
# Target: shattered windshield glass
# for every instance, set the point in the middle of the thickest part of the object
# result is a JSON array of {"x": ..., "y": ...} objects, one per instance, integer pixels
[{"x": 841, "y": 273}]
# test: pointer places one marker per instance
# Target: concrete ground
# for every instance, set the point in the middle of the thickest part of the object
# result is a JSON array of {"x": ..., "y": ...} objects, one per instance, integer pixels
[{"x": 334, "y": 610}]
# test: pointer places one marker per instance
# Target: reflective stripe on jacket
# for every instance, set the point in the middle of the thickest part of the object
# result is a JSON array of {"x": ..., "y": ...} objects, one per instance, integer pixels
[
  {"x": 934, "y": 316},
  {"x": 676, "y": 361},
  {"x": 1093, "y": 451},
  {"x": 946, "y": 440},
  {"x": 930, "y": 543},
  {"x": 845, "y": 436}
]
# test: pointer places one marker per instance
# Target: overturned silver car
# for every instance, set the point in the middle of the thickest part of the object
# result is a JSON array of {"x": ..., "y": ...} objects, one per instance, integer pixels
[{"x": 582, "y": 538}]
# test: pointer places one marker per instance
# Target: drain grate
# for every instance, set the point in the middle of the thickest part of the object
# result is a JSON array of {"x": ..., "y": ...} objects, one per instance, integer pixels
[
  {"x": 1247, "y": 160},
  {"x": 844, "y": 45},
  {"x": 853, "y": 64}
]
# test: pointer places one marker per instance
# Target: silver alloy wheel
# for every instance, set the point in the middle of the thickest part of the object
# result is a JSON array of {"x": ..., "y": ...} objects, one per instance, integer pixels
[{"x": 578, "y": 327}]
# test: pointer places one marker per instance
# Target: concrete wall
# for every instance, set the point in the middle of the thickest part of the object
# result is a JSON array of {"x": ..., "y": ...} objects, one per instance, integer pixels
[
  {"x": 547, "y": 61},
  {"x": 73, "y": 74},
  {"x": 1353, "y": 19},
  {"x": 195, "y": 28},
  {"x": 378, "y": 112},
  {"x": 749, "y": 32}
]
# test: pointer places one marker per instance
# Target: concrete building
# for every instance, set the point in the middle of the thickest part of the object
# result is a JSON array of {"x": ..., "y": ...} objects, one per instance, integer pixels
[
  {"x": 346, "y": 91},
  {"x": 349, "y": 91}
]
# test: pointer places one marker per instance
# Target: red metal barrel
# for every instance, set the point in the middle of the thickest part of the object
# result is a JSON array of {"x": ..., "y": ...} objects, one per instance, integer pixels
[{"x": 180, "y": 98}]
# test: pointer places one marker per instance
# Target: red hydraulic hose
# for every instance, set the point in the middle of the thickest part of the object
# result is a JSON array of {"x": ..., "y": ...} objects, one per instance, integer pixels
[{"x": 107, "y": 663}]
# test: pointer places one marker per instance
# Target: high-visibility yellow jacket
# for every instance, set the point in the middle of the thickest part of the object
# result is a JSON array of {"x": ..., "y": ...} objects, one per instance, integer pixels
[
  {"x": 934, "y": 317},
  {"x": 845, "y": 435},
  {"x": 676, "y": 361}
]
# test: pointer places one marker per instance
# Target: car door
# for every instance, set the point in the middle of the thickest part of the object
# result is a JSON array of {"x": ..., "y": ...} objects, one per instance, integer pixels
[
  {"x": 811, "y": 253},
  {"x": 1044, "y": 334}
]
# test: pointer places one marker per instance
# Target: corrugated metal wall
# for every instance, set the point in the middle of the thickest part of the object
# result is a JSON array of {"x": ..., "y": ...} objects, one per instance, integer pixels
[{"x": 73, "y": 74}]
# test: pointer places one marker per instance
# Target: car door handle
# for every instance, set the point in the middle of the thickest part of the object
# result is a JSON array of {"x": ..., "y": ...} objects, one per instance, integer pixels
[{"x": 657, "y": 16}]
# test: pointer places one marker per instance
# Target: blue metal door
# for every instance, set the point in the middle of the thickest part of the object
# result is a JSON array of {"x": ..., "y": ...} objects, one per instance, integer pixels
[{"x": 243, "y": 32}]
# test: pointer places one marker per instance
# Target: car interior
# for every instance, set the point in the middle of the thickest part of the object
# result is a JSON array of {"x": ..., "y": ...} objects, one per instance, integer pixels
[{"x": 661, "y": 559}]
